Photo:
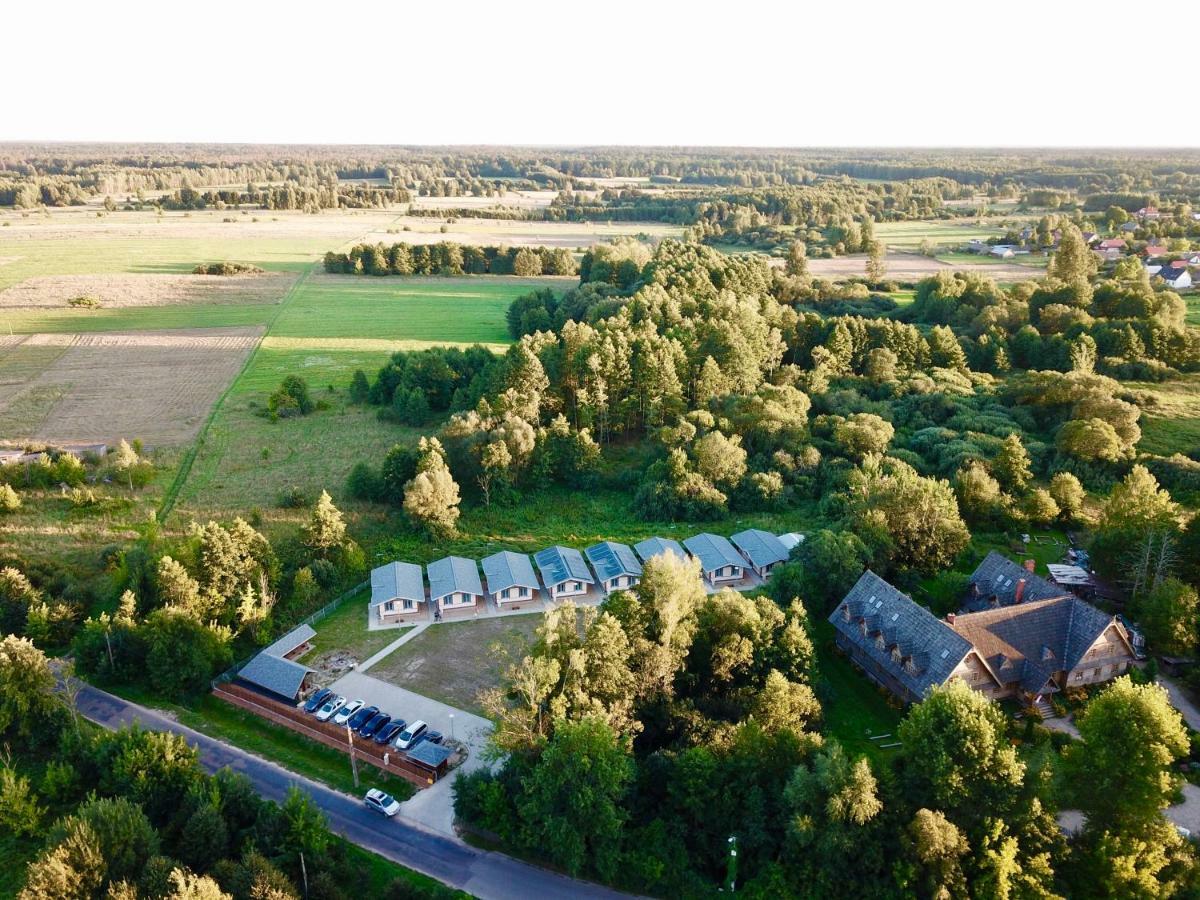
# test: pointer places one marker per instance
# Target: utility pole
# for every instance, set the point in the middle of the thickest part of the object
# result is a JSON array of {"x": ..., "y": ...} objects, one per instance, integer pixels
[{"x": 353, "y": 759}]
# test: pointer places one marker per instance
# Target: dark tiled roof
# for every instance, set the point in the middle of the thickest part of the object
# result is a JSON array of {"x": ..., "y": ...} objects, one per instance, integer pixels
[
  {"x": 1167, "y": 273},
  {"x": 999, "y": 576},
  {"x": 1035, "y": 639},
  {"x": 656, "y": 546},
  {"x": 714, "y": 552},
  {"x": 929, "y": 649},
  {"x": 761, "y": 547},
  {"x": 559, "y": 564},
  {"x": 611, "y": 560},
  {"x": 507, "y": 569},
  {"x": 451, "y": 575},
  {"x": 275, "y": 674}
]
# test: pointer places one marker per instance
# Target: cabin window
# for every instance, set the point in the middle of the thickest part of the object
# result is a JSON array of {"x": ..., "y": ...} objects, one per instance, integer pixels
[
  {"x": 408, "y": 604},
  {"x": 389, "y": 606}
]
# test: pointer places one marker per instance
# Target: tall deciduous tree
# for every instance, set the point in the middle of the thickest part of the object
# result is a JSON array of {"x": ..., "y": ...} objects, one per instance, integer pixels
[{"x": 431, "y": 499}]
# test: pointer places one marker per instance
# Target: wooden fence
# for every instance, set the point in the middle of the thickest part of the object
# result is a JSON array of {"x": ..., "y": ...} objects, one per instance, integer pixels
[{"x": 295, "y": 719}]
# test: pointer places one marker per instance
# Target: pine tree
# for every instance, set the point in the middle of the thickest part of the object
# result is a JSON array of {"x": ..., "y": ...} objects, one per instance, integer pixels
[
  {"x": 431, "y": 499},
  {"x": 325, "y": 532}
]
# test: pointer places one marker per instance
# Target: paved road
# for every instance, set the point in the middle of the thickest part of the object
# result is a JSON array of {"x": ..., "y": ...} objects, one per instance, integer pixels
[{"x": 490, "y": 876}]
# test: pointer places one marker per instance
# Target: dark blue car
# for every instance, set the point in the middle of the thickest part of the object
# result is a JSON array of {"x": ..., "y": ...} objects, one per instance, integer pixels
[
  {"x": 372, "y": 727},
  {"x": 362, "y": 717},
  {"x": 385, "y": 734},
  {"x": 315, "y": 701}
]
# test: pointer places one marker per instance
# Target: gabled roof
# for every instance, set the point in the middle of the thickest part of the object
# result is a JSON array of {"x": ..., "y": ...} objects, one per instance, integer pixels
[
  {"x": 451, "y": 575},
  {"x": 1037, "y": 638},
  {"x": 611, "y": 560},
  {"x": 929, "y": 649},
  {"x": 761, "y": 547},
  {"x": 507, "y": 569},
  {"x": 1112, "y": 244},
  {"x": 713, "y": 551},
  {"x": 559, "y": 564},
  {"x": 1169, "y": 273},
  {"x": 998, "y": 576},
  {"x": 275, "y": 674},
  {"x": 791, "y": 540},
  {"x": 397, "y": 581},
  {"x": 657, "y": 546},
  {"x": 272, "y": 672},
  {"x": 299, "y": 635}
]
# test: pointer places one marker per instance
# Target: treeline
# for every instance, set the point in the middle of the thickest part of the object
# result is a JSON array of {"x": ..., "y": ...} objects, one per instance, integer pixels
[
  {"x": 131, "y": 814},
  {"x": 449, "y": 258},
  {"x": 288, "y": 196}
]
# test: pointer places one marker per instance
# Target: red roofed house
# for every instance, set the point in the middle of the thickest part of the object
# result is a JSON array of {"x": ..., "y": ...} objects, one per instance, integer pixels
[
  {"x": 1147, "y": 212},
  {"x": 1113, "y": 244}
]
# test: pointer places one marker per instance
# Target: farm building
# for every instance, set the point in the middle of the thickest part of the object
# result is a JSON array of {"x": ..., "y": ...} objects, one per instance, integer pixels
[
  {"x": 719, "y": 561},
  {"x": 1001, "y": 251},
  {"x": 510, "y": 578},
  {"x": 764, "y": 550},
  {"x": 1025, "y": 650},
  {"x": 397, "y": 591},
  {"x": 454, "y": 583},
  {"x": 615, "y": 565},
  {"x": 657, "y": 546},
  {"x": 274, "y": 671},
  {"x": 564, "y": 572},
  {"x": 998, "y": 581}
]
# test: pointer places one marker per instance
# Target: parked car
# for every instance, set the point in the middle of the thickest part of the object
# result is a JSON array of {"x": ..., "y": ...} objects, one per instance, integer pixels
[
  {"x": 408, "y": 737},
  {"x": 344, "y": 714},
  {"x": 376, "y": 722},
  {"x": 331, "y": 705},
  {"x": 430, "y": 736},
  {"x": 316, "y": 700},
  {"x": 360, "y": 718},
  {"x": 388, "y": 732},
  {"x": 384, "y": 804}
]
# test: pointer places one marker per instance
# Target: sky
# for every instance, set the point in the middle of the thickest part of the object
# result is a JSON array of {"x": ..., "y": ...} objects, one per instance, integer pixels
[{"x": 750, "y": 73}]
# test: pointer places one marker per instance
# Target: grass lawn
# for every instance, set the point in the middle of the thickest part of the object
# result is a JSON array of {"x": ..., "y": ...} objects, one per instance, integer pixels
[
  {"x": 1193, "y": 308},
  {"x": 453, "y": 661},
  {"x": 382, "y": 872},
  {"x": 432, "y": 310},
  {"x": 346, "y": 629},
  {"x": 243, "y": 729},
  {"x": 903, "y": 298},
  {"x": 854, "y": 707},
  {"x": 1170, "y": 415}
]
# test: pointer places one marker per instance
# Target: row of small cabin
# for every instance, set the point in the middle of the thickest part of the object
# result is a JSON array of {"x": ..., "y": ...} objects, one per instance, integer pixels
[{"x": 398, "y": 588}]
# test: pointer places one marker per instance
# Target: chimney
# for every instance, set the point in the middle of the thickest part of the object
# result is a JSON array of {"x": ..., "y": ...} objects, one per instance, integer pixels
[
  {"x": 1030, "y": 565},
  {"x": 949, "y": 618},
  {"x": 974, "y": 588},
  {"x": 1020, "y": 590}
]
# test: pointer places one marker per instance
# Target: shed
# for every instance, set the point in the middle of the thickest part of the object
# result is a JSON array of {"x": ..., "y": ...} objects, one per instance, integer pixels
[
  {"x": 564, "y": 572},
  {"x": 431, "y": 756},
  {"x": 510, "y": 577},
  {"x": 292, "y": 643},
  {"x": 791, "y": 540},
  {"x": 272, "y": 671},
  {"x": 454, "y": 582},
  {"x": 657, "y": 546},
  {"x": 615, "y": 564},
  {"x": 719, "y": 561},
  {"x": 764, "y": 550},
  {"x": 397, "y": 590}
]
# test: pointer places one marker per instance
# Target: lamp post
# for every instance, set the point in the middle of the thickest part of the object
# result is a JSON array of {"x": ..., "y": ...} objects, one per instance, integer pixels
[
  {"x": 353, "y": 759},
  {"x": 451, "y": 726}
]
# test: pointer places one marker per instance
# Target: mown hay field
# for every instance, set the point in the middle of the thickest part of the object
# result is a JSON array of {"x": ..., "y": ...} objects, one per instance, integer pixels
[{"x": 157, "y": 386}]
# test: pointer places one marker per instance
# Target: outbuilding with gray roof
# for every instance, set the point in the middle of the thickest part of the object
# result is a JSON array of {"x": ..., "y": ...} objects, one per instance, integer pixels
[
  {"x": 510, "y": 578},
  {"x": 273, "y": 673},
  {"x": 397, "y": 591},
  {"x": 615, "y": 565},
  {"x": 564, "y": 572},
  {"x": 454, "y": 582},
  {"x": 657, "y": 546},
  {"x": 719, "y": 561},
  {"x": 764, "y": 550}
]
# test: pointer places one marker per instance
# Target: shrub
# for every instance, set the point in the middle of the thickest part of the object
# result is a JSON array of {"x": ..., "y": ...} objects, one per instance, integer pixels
[
  {"x": 9, "y": 501},
  {"x": 225, "y": 268},
  {"x": 84, "y": 302}
]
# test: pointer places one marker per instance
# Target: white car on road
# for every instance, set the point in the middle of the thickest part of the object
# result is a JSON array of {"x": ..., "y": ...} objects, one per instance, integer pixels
[
  {"x": 349, "y": 709},
  {"x": 329, "y": 707},
  {"x": 384, "y": 804}
]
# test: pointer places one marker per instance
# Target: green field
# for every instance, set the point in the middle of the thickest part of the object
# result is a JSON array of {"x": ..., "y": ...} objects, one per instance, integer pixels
[
  {"x": 433, "y": 310},
  {"x": 1170, "y": 415},
  {"x": 909, "y": 235},
  {"x": 145, "y": 318},
  {"x": 346, "y": 629},
  {"x": 76, "y": 242}
]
